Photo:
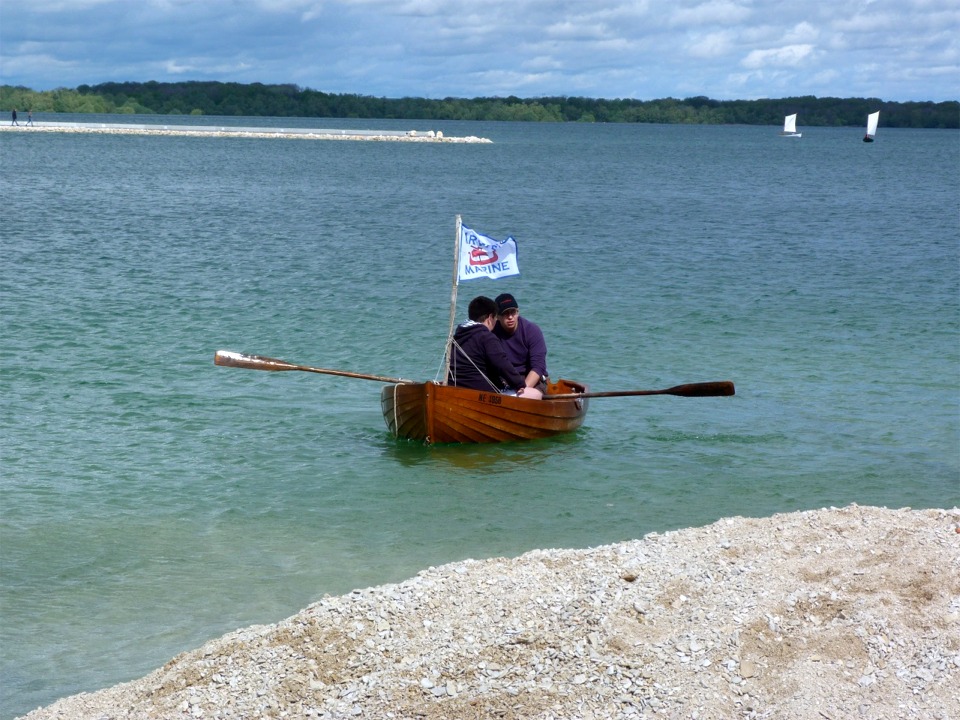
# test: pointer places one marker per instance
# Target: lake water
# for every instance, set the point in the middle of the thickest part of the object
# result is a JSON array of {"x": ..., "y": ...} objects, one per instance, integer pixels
[{"x": 152, "y": 501}]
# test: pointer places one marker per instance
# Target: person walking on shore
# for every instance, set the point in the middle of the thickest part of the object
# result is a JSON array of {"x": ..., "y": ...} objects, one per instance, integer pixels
[
  {"x": 14, "y": 116},
  {"x": 29, "y": 117}
]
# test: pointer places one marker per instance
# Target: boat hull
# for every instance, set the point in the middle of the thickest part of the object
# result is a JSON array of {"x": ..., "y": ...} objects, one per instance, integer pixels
[{"x": 433, "y": 413}]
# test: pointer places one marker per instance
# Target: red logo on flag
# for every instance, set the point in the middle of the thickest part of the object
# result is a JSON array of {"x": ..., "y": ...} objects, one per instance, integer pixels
[{"x": 479, "y": 256}]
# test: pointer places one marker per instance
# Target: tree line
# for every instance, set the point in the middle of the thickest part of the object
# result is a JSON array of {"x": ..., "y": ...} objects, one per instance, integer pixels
[{"x": 257, "y": 99}]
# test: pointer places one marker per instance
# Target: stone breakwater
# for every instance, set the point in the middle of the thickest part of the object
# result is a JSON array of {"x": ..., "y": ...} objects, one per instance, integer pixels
[
  {"x": 421, "y": 136},
  {"x": 826, "y": 614}
]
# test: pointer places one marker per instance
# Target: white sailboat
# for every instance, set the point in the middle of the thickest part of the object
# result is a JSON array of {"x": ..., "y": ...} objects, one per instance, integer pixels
[
  {"x": 790, "y": 127},
  {"x": 872, "y": 120}
]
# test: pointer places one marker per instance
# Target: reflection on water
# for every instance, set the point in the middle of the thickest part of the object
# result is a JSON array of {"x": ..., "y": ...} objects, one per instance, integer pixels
[{"x": 484, "y": 457}]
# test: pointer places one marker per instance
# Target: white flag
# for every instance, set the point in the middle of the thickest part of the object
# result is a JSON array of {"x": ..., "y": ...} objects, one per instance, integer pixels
[{"x": 482, "y": 256}]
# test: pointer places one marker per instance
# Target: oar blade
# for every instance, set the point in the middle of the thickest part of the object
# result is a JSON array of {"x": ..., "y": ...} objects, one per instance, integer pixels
[
  {"x": 228, "y": 358},
  {"x": 722, "y": 388}
]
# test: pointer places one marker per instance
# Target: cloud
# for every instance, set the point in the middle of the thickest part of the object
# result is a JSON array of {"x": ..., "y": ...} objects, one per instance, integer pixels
[
  {"x": 905, "y": 49},
  {"x": 802, "y": 32},
  {"x": 787, "y": 56},
  {"x": 715, "y": 12},
  {"x": 568, "y": 30},
  {"x": 711, "y": 45}
]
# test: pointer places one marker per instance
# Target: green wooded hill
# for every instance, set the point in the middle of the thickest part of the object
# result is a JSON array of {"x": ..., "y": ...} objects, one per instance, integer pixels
[{"x": 256, "y": 99}]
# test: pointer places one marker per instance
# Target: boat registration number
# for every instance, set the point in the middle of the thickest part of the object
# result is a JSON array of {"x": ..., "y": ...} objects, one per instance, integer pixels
[{"x": 491, "y": 398}]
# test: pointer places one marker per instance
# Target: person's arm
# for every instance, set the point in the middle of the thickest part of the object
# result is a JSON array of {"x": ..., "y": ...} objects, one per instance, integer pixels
[
  {"x": 537, "y": 349},
  {"x": 498, "y": 358}
]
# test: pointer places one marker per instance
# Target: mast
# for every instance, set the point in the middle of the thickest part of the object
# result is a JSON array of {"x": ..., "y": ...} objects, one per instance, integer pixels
[{"x": 453, "y": 304}]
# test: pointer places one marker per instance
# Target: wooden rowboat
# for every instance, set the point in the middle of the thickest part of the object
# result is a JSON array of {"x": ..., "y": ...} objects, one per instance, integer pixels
[{"x": 433, "y": 413}]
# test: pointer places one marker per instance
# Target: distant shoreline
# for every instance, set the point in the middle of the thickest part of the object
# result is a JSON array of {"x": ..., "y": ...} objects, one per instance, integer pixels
[
  {"x": 217, "y": 99},
  {"x": 419, "y": 136}
]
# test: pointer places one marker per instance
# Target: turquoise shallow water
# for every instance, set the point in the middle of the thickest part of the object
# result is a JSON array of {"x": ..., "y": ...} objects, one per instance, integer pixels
[{"x": 151, "y": 501}]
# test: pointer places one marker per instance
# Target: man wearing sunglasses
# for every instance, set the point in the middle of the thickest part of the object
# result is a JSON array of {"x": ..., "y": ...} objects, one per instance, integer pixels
[{"x": 523, "y": 340}]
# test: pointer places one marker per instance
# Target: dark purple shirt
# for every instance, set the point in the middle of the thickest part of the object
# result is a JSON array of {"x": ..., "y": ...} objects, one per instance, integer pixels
[{"x": 526, "y": 348}]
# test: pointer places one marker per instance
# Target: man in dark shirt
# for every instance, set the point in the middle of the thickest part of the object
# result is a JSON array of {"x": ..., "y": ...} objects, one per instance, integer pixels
[
  {"x": 523, "y": 340},
  {"x": 478, "y": 360}
]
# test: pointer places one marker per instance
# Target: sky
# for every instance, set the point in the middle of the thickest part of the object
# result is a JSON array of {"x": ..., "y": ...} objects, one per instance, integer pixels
[{"x": 899, "y": 50}]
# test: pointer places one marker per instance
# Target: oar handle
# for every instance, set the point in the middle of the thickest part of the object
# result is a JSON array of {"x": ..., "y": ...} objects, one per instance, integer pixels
[
  {"x": 228, "y": 358},
  {"x": 721, "y": 388}
]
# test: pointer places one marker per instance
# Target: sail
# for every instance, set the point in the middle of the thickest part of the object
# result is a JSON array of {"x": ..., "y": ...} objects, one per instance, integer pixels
[
  {"x": 790, "y": 123},
  {"x": 872, "y": 120}
]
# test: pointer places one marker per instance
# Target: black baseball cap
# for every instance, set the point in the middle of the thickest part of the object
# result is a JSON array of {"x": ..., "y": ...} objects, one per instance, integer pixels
[{"x": 505, "y": 301}]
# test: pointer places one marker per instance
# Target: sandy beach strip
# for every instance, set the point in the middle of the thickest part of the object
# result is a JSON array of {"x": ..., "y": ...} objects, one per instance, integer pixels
[
  {"x": 829, "y": 614},
  {"x": 174, "y": 130}
]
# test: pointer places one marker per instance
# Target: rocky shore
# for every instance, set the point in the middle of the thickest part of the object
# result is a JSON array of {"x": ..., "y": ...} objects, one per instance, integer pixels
[
  {"x": 828, "y": 614},
  {"x": 428, "y": 136}
]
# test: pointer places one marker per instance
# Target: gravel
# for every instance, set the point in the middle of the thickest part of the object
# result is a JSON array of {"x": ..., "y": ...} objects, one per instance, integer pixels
[
  {"x": 174, "y": 130},
  {"x": 834, "y": 613}
]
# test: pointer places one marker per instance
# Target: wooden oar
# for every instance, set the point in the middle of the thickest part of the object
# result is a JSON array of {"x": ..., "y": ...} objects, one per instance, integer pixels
[
  {"x": 706, "y": 389},
  {"x": 227, "y": 358}
]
